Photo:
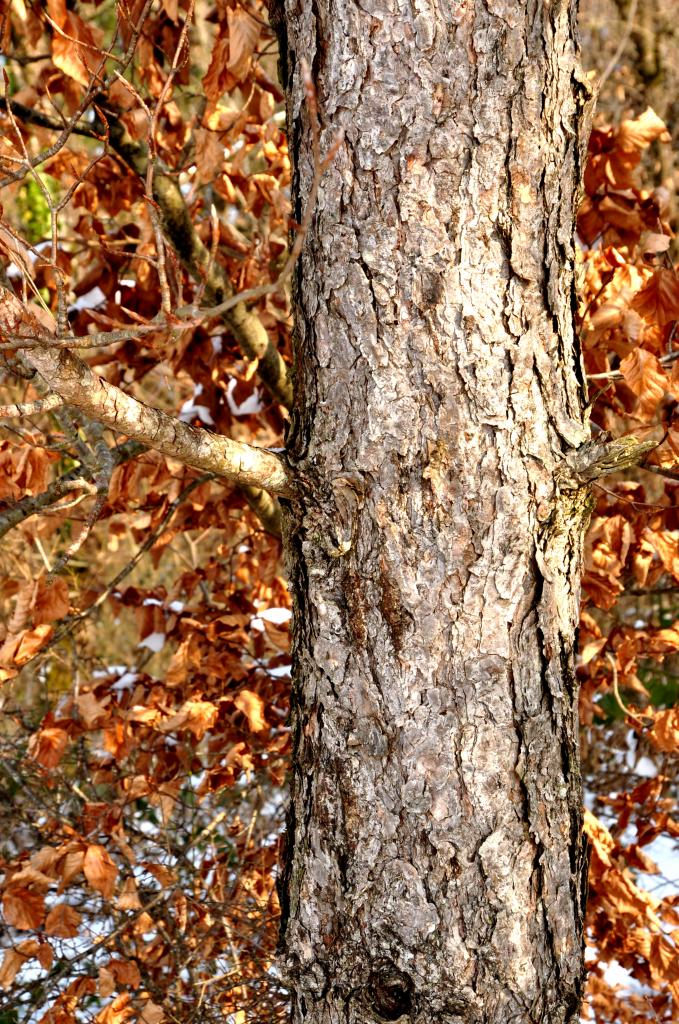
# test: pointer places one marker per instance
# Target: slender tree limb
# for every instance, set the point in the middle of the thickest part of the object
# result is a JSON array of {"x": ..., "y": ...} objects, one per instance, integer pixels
[
  {"x": 202, "y": 449},
  {"x": 266, "y": 508},
  {"x": 105, "y": 403},
  {"x": 246, "y": 326},
  {"x": 31, "y": 408}
]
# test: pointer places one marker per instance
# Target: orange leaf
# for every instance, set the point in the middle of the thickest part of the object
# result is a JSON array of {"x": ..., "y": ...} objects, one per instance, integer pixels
[
  {"x": 47, "y": 746},
  {"x": 23, "y": 909},
  {"x": 117, "y": 1011},
  {"x": 107, "y": 983},
  {"x": 125, "y": 972},
  {"x": 252, "y": 707},
  {"x": 100, "y": 870},
  {"x": 644, "y": 376},
  {"x": 665, "y": 731},
  {"x": 62, "y": 921},
  {"x": 12, "y": 962},
  {"x": 129, "y": 898},
  {"x": 45, "y": 955},
  {"x": 642, "y": 131},
  {"x": 32, "y": 640},
  {"x": 658, "y": 300},
  {"x": 152, "y": 1013},
  {"x": 51, "y": 601},
  {"x": 91, "y": 711},
  {"x": 74, "y": 44},
  {"x": 243, "y": 35},
  {"x": 71, "y": 865}
]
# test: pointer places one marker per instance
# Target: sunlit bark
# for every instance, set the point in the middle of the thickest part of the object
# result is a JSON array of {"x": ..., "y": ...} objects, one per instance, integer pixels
[{"x": 435, "y": 867}]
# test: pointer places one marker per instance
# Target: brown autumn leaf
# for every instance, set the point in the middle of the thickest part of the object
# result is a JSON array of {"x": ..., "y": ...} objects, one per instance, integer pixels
[
  {"x": 30, "y": 876},
  {"x": 202, "y": 715},
  {"x": 642, "y": 131},
  {"x": 92, "y": 711},
  {"x": 646, "y": 378},
  {"x": 129, "y": 897},
  {"x": 216, "y": 77},
  {"x": 209, "y": 155},
  {"x": 117, "y": 1012},
  {"x": 24, "y": 471},
  {"x": 243, "y": 35},
  {"x": 75, "y": 44},
  {"x": 252, "y": 707},
  {"x": 32, "y": 641},
  {"x": 62, "y": 921},
  {"x": 12, "y": 962},
  {"x": 665, "y": 730},
  {"x": 666, "y": 544},
  {"x": 658, "y": 300},
  {"x": 152, "y": 1013},
  {"x": 47, "y": 746},
  {"x": 71, "y": 865},
  {"x": 100, "y": 870},
  {"x": 51, "y": 601},
  {"x": 45, "y": 955},
  {"x": 125, "y": 972},
  {"x": 23, "y": 909},
  {"x": 106, "y": 983}
]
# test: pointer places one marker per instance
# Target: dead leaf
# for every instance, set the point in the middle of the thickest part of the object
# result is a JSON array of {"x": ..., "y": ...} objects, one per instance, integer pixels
[
  {"x": 646, "y": 378},
  {"x": 658, "y": 300},
  {"x": 47, "y": 746},
  {"x": 100, "y": 870},
  {"x": 62, "y": 921},
  {"x": 665, "y": 730},
  {"x": 23, "y": 909},
  {"x": 12, "y": 962},
  {"x": 642, "y": 131},
  {"x": 252, "y": 707},
  {"x": 92, "y": 711},
  {"x": 51, "y": 601},
  {"x": 243, "y": 35}
]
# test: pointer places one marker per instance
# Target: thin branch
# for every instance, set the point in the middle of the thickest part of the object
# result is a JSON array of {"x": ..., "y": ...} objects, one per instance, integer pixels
[
  {"x": 202, "y": 449},
  {"x": 666, "y": 360},
  {"x": 99, "y": 340},
  {"x": 102, "y": 481},
  {"x": 94, "y": 88},
  {"x": 618, "y": 699},
  {"x": 30, "y": 408},
  {"x": 149, "y": 541},
  {"x": 627, "y": 31}
]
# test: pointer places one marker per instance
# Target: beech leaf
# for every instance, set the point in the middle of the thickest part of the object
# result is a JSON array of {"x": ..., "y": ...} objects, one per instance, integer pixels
[{"x": 100, "y": 870}]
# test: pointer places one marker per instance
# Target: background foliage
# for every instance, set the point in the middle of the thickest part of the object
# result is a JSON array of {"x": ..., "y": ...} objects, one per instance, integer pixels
[{"x": 144, "y": 634}]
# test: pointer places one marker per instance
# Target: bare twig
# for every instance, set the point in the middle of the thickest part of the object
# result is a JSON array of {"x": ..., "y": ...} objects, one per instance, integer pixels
[
  {"x": 31, "y": 408},
  {"x": 627, "y": 31},
  {"x": 618, "y": 699}
]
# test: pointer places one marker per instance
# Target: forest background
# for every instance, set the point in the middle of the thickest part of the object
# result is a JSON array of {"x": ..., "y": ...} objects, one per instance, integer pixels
[{"x": 144, "y": 613}]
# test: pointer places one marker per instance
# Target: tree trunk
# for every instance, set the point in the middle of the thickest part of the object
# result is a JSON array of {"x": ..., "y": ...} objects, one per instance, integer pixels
[{"x": 435, "y": 865}]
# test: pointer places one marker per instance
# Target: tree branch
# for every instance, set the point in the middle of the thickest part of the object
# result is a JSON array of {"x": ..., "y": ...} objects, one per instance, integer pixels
[
  {"x": 82, "y": 388},
  {"x": 246, "y": 326}
]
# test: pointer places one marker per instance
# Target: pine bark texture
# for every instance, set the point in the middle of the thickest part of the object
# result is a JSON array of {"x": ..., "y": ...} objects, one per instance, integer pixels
[{"x": 435, "y": 867}]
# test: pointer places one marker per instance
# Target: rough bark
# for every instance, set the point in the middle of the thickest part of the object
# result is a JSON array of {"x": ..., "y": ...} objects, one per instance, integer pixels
[{"x": 435, "y": 867}]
